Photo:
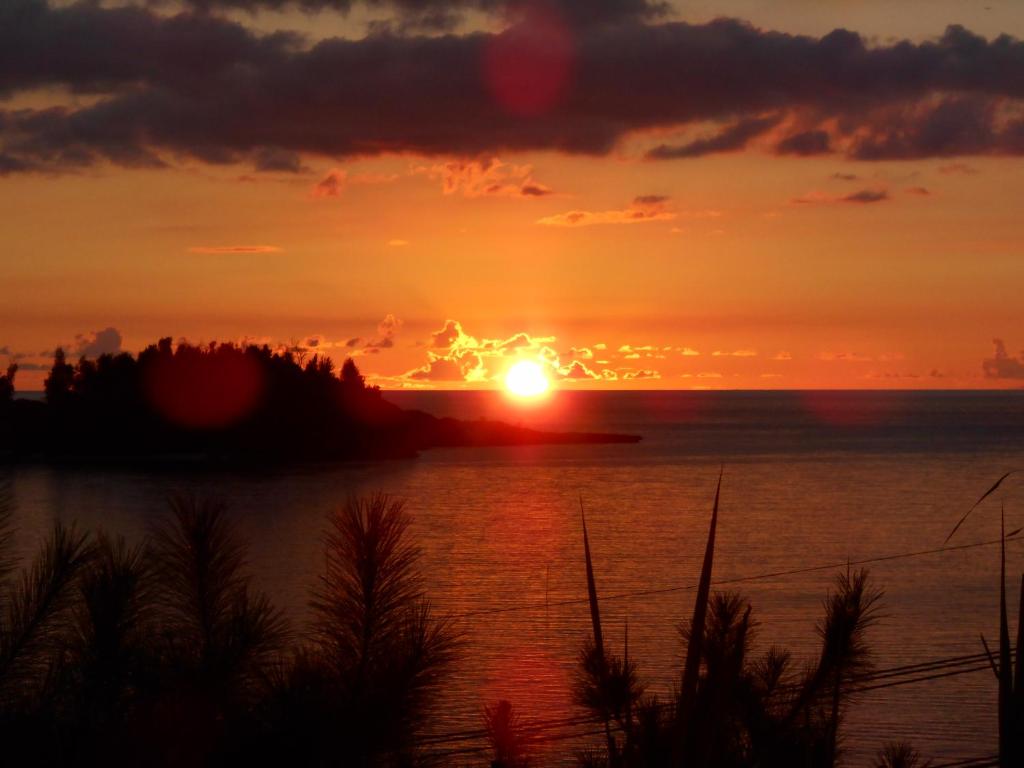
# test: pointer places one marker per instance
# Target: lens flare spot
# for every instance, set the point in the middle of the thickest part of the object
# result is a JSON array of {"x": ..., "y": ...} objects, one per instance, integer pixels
[
  {"x": 196, "y": 389},
  {"x": 528, "y": 66}
]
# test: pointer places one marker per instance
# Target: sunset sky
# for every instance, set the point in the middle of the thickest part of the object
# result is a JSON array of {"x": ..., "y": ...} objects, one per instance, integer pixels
[{"x": 728, "y": 194}]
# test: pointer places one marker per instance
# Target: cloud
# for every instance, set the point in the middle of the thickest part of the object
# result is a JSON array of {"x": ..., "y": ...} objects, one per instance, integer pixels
[
  {"x": 958, "y": 168},
  {"x": 730, "y": 138},
  {"x": 735, "y": 353},
  {"x": 844, "y": 357},
  {"x": 331, "y": 185},
  {"x": 446, "y": 14},
  {"x": 866, "y": 196},
  {"x": 643, "y": 373},
  {"x": 579, "y": 371},
  {"x": 453, "y": 355},
  {"x": 805, "y": 143},
  {"x": 398, "y": 243},
  {"x": 450, "y": 335},
  {"x": 104, "y": 342},
  {"x": 630, "y": 352},
  {"x": 919, "y": 191},
  {"x": 387, "y": 329},
  {"x": 484, "y": 178},
  {"x": 862, "y": 197},
  {"x": 271, "y": 159},
  {"x": 337, "y": 179},
  {"x": 644, "y": 208},
  {"x": 202, "y": 87},
  {"x": 783, "y": 355},
  {"x": 1001, "y": 365},
  {"x": 356, "y": 346},
  {"x": 459, "y": 367},
  {"x": 975, "y": 124},
  {"x": 227, "y": 249}
]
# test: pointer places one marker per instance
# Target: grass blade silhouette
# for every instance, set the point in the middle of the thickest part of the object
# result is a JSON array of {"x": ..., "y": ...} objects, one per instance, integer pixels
[
  {"x": 595, "y": 621},
  {"x": 595, "y": 608},
  {"x": 694, "y": 649}
]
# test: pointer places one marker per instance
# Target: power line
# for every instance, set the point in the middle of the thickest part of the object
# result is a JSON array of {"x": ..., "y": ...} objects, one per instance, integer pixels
[
  {"x": 894, "y": 676},
  {"x": 970, "y": 762},
  {"x": 735, "y": 580},
  {"x": 916, "y": 673}
]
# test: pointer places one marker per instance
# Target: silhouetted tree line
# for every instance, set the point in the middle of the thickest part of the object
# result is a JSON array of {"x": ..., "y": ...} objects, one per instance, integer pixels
[
  {"x": 164, "y": 654},
  {"x": 7, "y": 385},
  {"x": 219, "y": 400},
  {"x": 230, "y": 403}
]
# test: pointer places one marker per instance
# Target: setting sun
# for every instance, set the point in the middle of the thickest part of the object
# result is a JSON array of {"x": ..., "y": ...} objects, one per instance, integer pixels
[{"x": 526, "y": 379}]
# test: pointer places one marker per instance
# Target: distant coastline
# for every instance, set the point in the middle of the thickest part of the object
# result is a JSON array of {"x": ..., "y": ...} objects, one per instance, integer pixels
[{"x": 224, "y": 404}]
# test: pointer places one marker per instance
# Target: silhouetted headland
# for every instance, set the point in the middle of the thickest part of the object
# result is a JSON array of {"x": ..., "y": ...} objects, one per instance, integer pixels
[{"x": 230, "y": 404}]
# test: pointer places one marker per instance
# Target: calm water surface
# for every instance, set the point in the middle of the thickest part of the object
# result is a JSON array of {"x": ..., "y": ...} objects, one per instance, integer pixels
[{"x": 810, "y": 479}]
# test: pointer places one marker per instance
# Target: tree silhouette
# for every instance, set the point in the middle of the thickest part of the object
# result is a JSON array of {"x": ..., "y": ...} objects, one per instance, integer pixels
[
  {"x": 231, "y": 404},
  {"x": 60, "y": 381},
  {"x": 7, "y": 384}
]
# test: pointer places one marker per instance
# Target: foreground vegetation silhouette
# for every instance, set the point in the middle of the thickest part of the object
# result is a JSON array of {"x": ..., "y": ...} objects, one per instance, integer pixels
[
  {"x": 730, "y": 709},
  {"x": 1008, "y": 666},
  {"x": 225, "y": 403},
  {"x": 734, "y": 710},
  {"x": 165, "y": 655}
]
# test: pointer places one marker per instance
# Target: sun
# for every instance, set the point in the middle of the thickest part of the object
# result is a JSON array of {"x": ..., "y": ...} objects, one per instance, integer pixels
[{"x": 526, "y": 379}]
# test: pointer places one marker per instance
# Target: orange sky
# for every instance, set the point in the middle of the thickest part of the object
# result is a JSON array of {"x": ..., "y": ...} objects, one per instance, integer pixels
[{"x": 745, "y": 268}]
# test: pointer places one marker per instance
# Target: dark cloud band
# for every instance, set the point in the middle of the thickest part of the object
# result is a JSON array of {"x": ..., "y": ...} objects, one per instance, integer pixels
[{"x": 199, "y": 86}]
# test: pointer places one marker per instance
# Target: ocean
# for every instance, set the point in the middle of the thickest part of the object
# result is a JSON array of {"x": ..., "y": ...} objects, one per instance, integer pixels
[{"x": 812, "y": 481}]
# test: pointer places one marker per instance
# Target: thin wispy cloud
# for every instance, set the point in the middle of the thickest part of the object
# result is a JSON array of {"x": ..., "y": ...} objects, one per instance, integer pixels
[
  {"x": 730, "y": 138},
  {"x": 330, "y": 185},
  {"x": 484, "y": 178},
  {"x": 844, "y": 357},
  {"x": 735, "y": 353},
  {"x": 234, "y": 249},
  {"x": 643, "y": 209},
  {"x": 861, "y": 197}
]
